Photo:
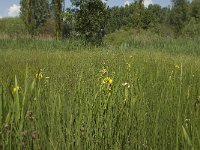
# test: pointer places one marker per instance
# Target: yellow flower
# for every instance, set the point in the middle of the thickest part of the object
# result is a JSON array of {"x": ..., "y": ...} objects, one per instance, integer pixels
[
  {"x": 39, "y": 75},
  {"x": 107, "y": 80},
  {"x": 16, "y": 89},
  {"x": 177, "y": 66}
]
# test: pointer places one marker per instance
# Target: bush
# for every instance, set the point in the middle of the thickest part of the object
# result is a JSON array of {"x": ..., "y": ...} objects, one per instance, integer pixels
[{"x": 192, "y": 29}]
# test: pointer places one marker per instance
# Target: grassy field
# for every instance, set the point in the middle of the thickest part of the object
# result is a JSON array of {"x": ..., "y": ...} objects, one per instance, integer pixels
[{"x": 141, "y": 93}]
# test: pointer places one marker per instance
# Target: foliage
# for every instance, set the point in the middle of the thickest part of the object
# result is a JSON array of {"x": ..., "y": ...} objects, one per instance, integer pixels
[
  {"x": 117, "y": 17},
  {"x": 91, "y": 20},
  {"x": 179, "y": 14},
  {"x": 195, "y": 10},
  {"x": 130, "y": 16},
  {"x": 58, "y": 14},
  {"x": 155, "y": 12},
  {"x": 192, "y": 29},
  {"x": 82, "y": 22},
  {"x": 26, "y": 14},
  {"x": 34, "y": 14},
  {"x": 40, "y": 12},
  {"x": 69, "y": 23}
]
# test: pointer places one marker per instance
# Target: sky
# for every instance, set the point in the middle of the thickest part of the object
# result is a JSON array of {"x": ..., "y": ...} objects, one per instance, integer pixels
[{"x": 11, "y": 8}]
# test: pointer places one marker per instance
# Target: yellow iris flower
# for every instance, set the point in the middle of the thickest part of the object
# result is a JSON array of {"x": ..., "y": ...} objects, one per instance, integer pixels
[
  {"x": 39, "y": 75},
  {"x": 16, "y": 89},
  {"x": 107, "y": 80}
]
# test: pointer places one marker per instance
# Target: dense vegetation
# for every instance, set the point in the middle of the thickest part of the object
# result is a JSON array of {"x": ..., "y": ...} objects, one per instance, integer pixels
[
  {"x": 92, "y": 19},
  {"x": 139, "y": 94},
  {"x": 138, "y": 89}
]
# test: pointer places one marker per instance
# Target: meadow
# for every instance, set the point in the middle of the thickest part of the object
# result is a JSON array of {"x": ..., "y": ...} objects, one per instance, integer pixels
[{"x": 138, "y": 93}]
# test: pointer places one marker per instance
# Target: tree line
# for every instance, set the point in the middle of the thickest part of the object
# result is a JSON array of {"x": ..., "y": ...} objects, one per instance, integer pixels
[{"x": 92, "y": 19}]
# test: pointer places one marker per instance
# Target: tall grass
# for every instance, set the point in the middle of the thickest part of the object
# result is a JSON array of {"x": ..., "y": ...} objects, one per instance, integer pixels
[
  {"x": 146, "y": 40},
  {"x": 53, "y": 94},
  {"x": 151, "y": 103}
]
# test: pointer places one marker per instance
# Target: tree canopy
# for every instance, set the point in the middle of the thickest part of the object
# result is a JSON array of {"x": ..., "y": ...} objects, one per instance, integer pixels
[{"x": 92, "y": 19}]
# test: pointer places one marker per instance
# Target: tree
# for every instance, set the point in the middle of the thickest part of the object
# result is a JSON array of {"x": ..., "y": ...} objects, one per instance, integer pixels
[
  {"x": 165, "y": 15},
  {"x": 69, "y": 22},
  {"x": 41, "y": 12},
  {"x": 91, "y": 19},
  {"x": 57, "y": 4},
  {"x": 118, "y": 17},
  {"x": 155, "y": 11},
  {"x": 179, "y": 14},
  {"x": 192, "y": 28},
  {"x": 34, "y": 14},
  {"x": 138, "y": 13},
  {"x": 195, "y": 10},
  {"x": 26, "y": 14}
]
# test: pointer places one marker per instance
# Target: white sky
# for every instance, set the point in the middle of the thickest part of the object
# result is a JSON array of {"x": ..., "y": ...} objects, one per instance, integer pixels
[
  {"x": 14, "y": 10},
  {"x": 126, "y": 3},
  {"x": 146, "y": 2}
]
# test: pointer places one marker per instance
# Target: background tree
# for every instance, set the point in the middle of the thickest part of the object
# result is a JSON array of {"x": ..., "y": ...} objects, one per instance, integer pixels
[
  {"x": 192, "y": 28},
  {"x": 69, "y": 23},
  {"x": 139, "y": 13},
  {"x": 119, "y": 17},
  {"x": 34, "y": 14},
  {"x": 91, "y": 19},
  {"x": 195, "y": 10},
  {"x": 179, "y": 14},
  {"x": 26, "y": 14},
  {"x": 155, "y": 11},
  {"x": 58, "y": 12},
  {"x": 41, "y": 12}
]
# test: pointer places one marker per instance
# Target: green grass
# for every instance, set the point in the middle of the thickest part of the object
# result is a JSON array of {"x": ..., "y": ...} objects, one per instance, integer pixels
[
  {"x": 146, "y": 40},
  {"x": 12, "y": 28},
  {"x": 70, "y": 107}
]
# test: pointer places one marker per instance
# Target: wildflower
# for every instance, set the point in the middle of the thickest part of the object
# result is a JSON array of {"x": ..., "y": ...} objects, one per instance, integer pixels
[
  {"x": 39, "y": 75},
  {"x": 128, "y": 66},
  {"x": 16, "y": 89},
  {"x": 126, "y": 90},
  {"x": 177, "y": 66},
  {"x": 107, "y": 80},
  {"x": 126, "y": 85},
  {"x": 187, "y": 123}
]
